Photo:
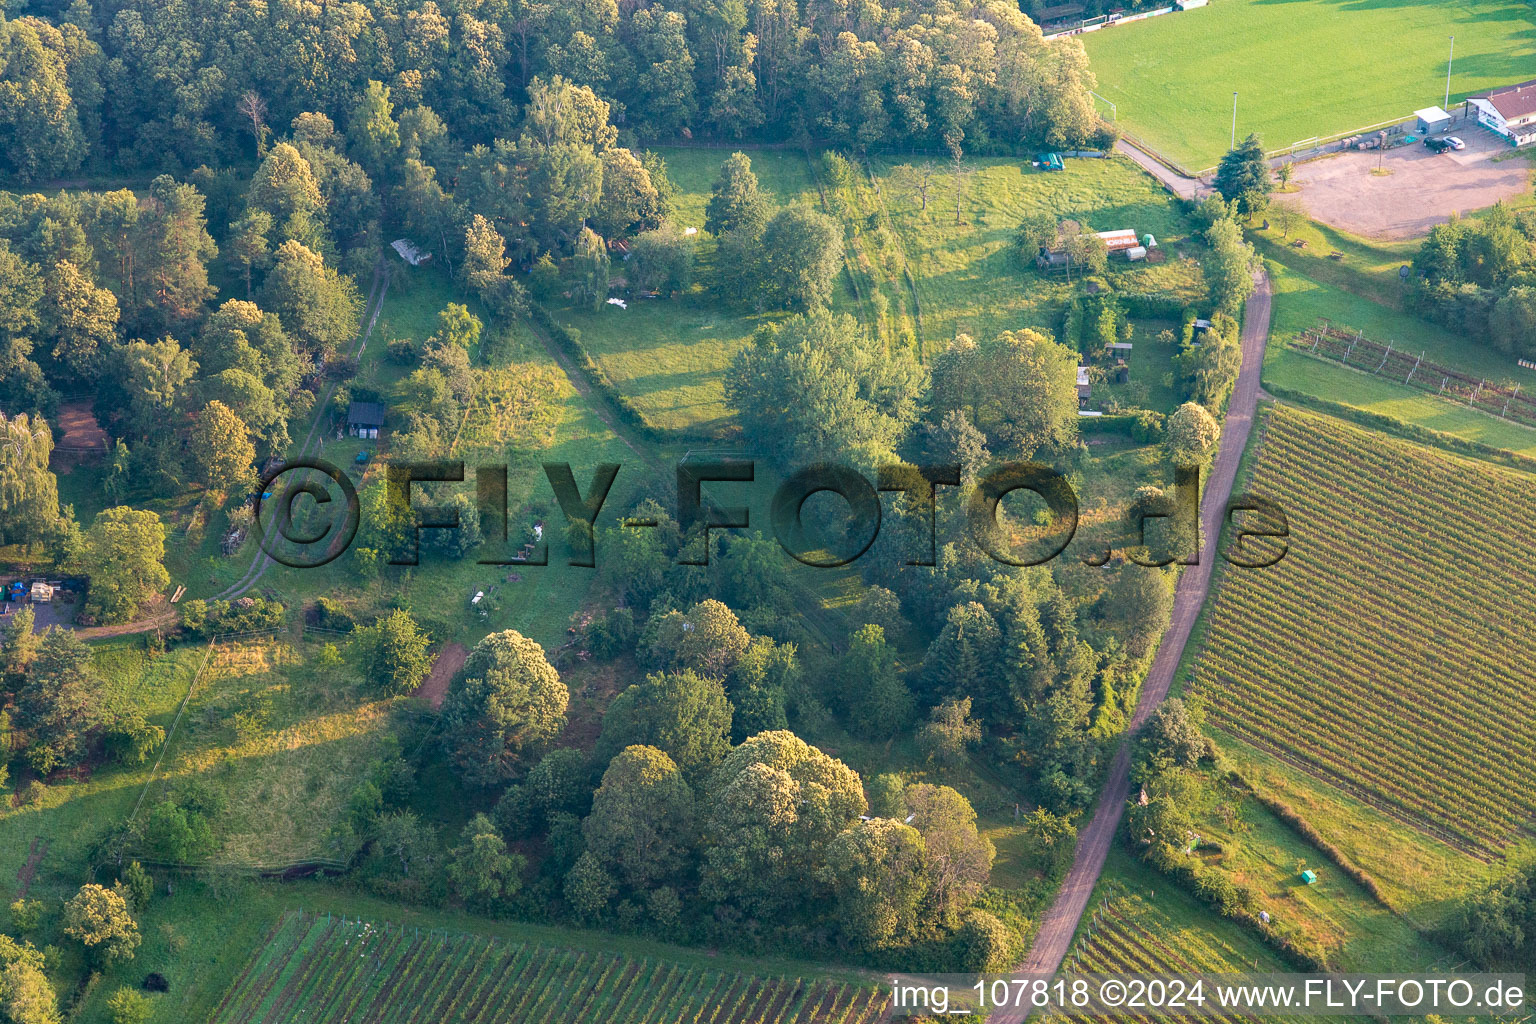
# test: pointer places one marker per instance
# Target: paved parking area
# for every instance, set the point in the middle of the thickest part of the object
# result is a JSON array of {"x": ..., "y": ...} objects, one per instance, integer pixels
[{"x": 1422, "y": 190}]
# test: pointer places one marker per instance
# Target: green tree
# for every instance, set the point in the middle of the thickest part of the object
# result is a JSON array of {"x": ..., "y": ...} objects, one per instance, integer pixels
[
  {"x": 958, "y": 858},
  {"x": 372, "y": 129},
  {"x": 735, "y": 202},
  {"x": 773, "y": 809},
  {"x": 26, "y": 997},
  {"x": 124, "y": 556},
  {"x": 138, "y": 886},
  {"x": 870, "y": 686},
  {"x": 802, "y": 254},
  {"x": 1191, "y": 434},
  {"x": 1035, "y": 232},
  {"x": 77, "y": 319},
  {"x": 876, "y": 872},
  {"x": 29, "y": 492},
  {"x": 483, "y": 266},
  {"x": 456, "y": 325},
  {"x": 820, "y": 384},
  {"x": 482, "y": 871},
  {"x": 220, "y": 447},
  {"x": 176, "y": 834},
  {"x": 708, "y": 639},
  {"x": 1088, "y": 253},
  {"x": 1019, "y": 389},
  {"x": 949, "y": 732},
  {"x": 172, "y": 253},
  {"x": 684, "y": 714},
  {"x": 40, "y": 132},
  {"x": 760, "y": 686},
  {"x": 1243, "y": 175},
  {"x": 589, "y": 888},
  {"x": 18, "y": 644},
  {"x": 661, "y": 261},
  {"x": 58, "y": 702},
  {"x": 98, "y": 919},
  {"x": 1172, "y": 738},
  {"x": 1512, "y": 322},
  {"x": 1230, "y": 267},
  {"x": 248, "y": 248},
  {"x": 1053, "y": 835},
  {"x": 641, "y": 825},
  {"x": 129, "y": 1007},
  {"x": 392, "y": 653},
  {"x": 964, "y": 659},
  {"x": 505, "y": 705},
  {"x": 284, "y": 188},
  {"x": 627, "y": 196},
  {"x": 590, "y": 268},
  {"x": 318, "y": 306}
]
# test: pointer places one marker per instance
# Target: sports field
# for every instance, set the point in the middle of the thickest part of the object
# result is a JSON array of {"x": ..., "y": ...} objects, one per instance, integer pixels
[{"x": 1301, "y": 68}]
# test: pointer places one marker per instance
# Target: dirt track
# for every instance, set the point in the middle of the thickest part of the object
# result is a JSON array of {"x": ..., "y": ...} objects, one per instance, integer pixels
[
  {"x": 1060, "y": 922},
  {"x": 435, "y": 687}
]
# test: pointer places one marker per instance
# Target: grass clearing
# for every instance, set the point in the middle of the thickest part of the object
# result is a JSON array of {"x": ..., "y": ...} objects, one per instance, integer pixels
[
  {"x": 1384, "y": 60},
  {"x": 669, "y": 355},
  {"x": 969, "y": 278},
  {"x": 282, "y": 745},
  {"x": 1419, "y": 708}
]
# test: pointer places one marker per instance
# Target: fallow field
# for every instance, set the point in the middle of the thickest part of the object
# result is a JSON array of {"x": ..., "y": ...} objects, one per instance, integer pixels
[
  {"x": 1419, "y": 706},
  {"x": 327, "y": 969},
  {"x": 1172, "y": 77}
]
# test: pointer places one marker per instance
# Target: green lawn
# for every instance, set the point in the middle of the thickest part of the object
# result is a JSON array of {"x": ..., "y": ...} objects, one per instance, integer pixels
[
  {"x": 969, "y": 278},
  {"x": 1302, "y": 68}
]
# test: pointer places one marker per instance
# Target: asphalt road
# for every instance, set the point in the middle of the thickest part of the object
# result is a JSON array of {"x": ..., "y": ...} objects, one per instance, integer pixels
[{"x": 1060, "y": 922}]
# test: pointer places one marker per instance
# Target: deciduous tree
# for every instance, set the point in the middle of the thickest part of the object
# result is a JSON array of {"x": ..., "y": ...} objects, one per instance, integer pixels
[
  {"x": 506, "y": 704},
  {"x": 125, "y": 558}
]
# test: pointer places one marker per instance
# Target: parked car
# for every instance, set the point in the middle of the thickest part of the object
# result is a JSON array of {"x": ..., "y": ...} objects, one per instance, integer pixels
[
  {"x": 1455, "y": 143},
  {"x": 1437, "y": 145}
]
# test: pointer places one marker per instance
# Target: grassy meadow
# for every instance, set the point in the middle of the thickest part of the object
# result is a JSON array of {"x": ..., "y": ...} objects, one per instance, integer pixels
[
  {"x": 1172, "y": 77},
  {"x": 913, "y": 275}
]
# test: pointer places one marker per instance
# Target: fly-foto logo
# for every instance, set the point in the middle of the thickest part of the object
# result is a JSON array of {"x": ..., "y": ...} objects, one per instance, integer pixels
[{"x": 313, "y": 517}]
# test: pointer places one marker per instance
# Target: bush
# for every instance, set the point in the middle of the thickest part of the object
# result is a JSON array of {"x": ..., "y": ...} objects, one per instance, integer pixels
[
  {"x": 332, "y": 614},
  {"x": 983, "y": 943},
  {"x": 129, "y": 1007},
  {"x": 402, "y": 352}
]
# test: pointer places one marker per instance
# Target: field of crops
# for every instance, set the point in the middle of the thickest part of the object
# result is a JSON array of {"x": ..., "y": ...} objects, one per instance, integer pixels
[
  {"x": 1389, "y": 652},
  {"x": 1136, "y": 934},
  {"x": 326, "y": 969},
  {"x": 1172, "y": 77}
]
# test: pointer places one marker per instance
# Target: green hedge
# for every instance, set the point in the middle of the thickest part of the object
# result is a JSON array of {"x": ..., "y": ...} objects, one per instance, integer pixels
[{"x": 619, "y": 402}]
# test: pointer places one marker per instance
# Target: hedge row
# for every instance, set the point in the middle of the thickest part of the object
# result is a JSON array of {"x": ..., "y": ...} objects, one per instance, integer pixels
[
  {"x": 619, "y": 402},
  {"x": 1302, "y": 827}
]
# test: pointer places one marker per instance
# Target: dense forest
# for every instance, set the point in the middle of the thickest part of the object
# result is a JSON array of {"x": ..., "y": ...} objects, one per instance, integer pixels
[{"x": 175, "y": 86}]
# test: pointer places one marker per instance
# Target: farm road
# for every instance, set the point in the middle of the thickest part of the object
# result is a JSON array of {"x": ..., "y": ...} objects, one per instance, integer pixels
[{"x": 1060, "y": 922}]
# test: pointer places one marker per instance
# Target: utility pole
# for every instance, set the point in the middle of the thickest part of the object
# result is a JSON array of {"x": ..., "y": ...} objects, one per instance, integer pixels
[
  {"x": 1449, "y": 61},
  {"x": 1234, "y": 120}
]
